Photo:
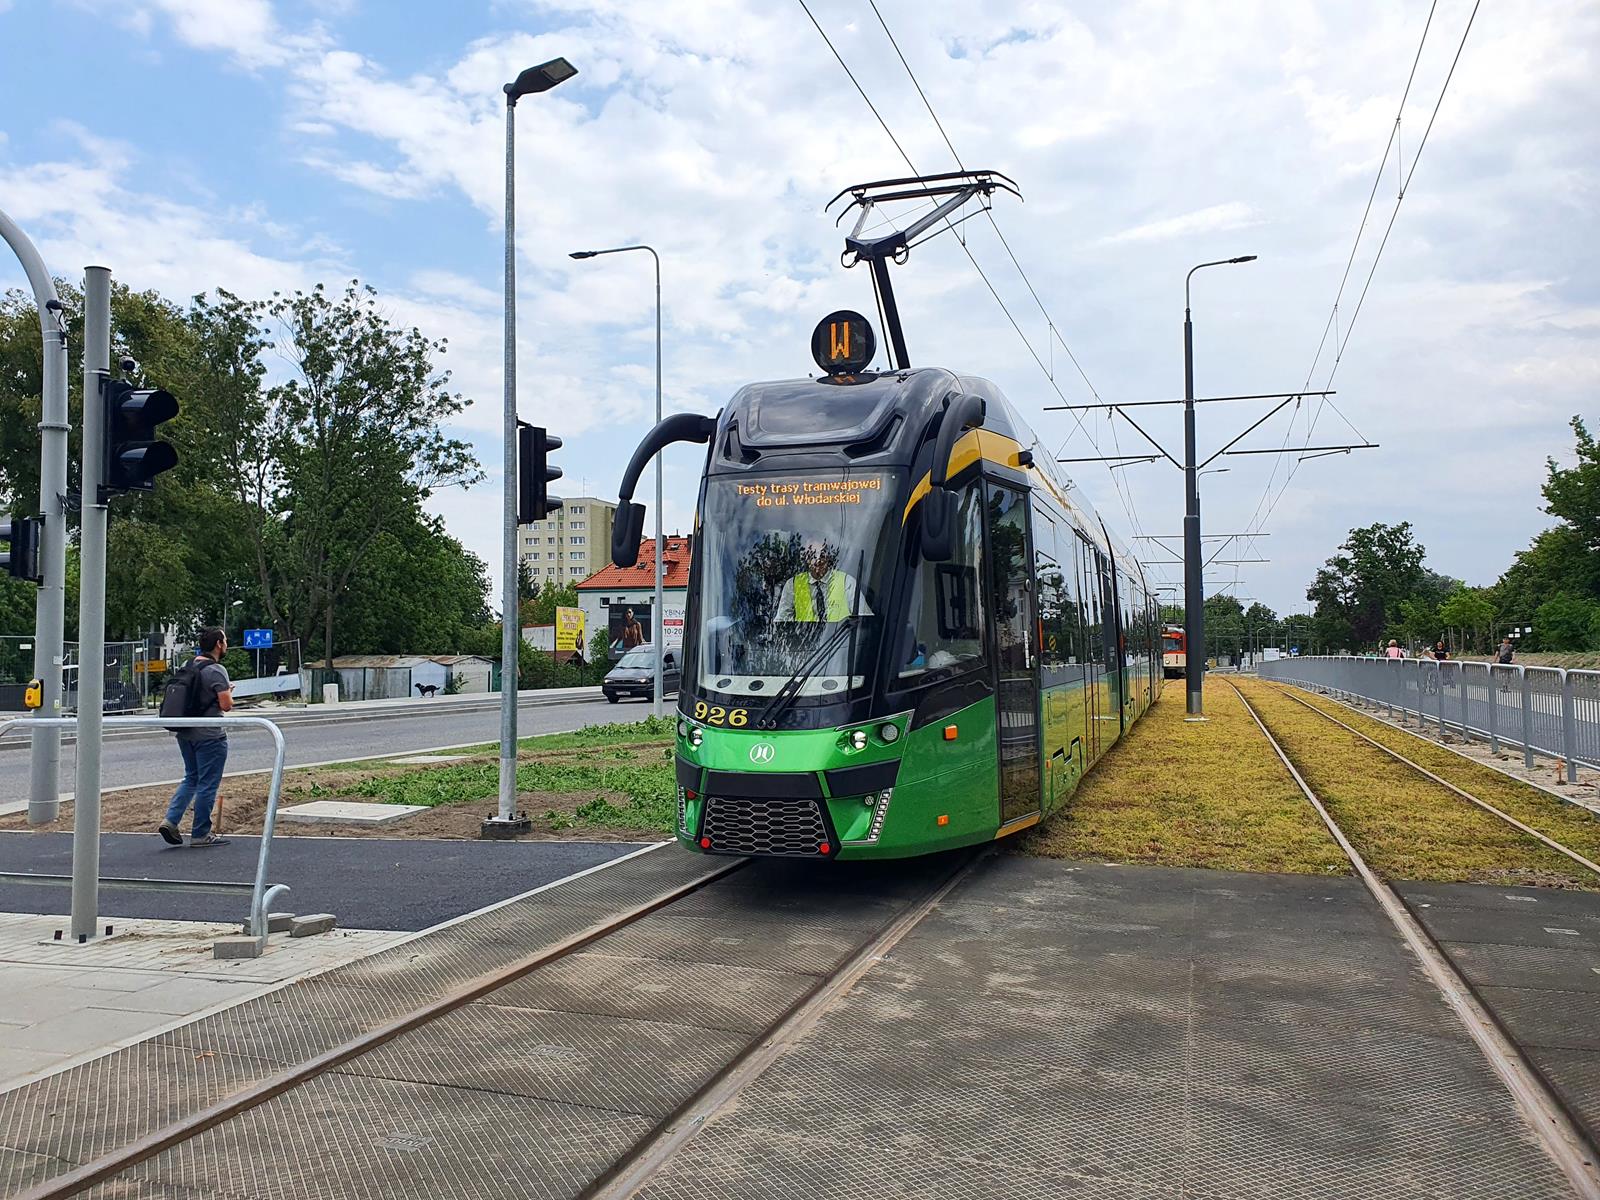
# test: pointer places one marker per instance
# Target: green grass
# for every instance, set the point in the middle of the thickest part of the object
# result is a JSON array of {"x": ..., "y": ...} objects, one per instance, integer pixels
[
  {"x": 620, "y": 733},
  {"x": 1175, "y": 794},
  {"x": 1410, "y": 828},
  {"x": 612, "y": 776}
]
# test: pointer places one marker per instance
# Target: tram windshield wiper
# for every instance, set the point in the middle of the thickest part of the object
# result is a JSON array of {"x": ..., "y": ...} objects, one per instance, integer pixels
[{"x": 784, "y": 698}]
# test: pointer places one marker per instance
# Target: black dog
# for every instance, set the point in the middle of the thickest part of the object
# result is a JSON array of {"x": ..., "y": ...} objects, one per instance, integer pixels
[{"x": 427, "y": 689}]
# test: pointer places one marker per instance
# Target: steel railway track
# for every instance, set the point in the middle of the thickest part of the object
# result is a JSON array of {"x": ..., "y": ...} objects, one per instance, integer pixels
[
  {"x": 1544, "y": 1113},
  {"x": 649, "y": 1153}
]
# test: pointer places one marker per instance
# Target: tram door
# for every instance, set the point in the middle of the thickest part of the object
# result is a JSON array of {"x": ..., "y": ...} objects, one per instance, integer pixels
[
  {"x": 1089, "y": 606},
  {"x": 1011, "y": 599}
]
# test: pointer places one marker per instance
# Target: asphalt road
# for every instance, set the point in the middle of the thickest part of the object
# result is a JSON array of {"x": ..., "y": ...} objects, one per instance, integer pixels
[
  {"x": 147, "y": 758},
  {"x": 368, "y": 883}
]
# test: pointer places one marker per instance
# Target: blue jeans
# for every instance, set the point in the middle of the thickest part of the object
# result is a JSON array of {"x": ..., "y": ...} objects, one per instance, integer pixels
[{"x": 202, "y": 774}]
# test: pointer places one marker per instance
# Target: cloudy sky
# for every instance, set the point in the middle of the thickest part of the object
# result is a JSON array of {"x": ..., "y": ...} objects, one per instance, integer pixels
[{"x": 261, "y": 144}]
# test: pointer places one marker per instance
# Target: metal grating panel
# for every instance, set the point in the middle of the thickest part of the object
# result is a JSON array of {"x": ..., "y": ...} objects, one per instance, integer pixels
[
  {"x": 801, "y": 948},
  {"x": 734, "y": 1159},
  {"x": 1526, "y": 966},
  {"x": 611, "y": 1063},
  {"x": 1547, "y": 1019},
  {"x": 710, "y": 996},
  {"x": 788, "y": 827},
  {"x": 343, "y": 1137}
]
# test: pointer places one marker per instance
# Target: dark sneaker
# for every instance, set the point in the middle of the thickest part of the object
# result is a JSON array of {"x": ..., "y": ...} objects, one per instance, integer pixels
[
  {"x": 169, "y": 833},
  {"x": 210, "y": 839}
]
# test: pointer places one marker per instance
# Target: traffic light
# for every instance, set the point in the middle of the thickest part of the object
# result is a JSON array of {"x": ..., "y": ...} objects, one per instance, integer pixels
[
  {"x": 534, "y": 473},
  {"x": 21, "y": 561},
  {"x": 134, "y": 456}
]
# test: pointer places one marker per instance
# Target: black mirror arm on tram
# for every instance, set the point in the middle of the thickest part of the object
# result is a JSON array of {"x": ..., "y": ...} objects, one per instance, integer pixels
[
  {"x": 629, "y": 526},
  {"x": 939, "y": 505}
]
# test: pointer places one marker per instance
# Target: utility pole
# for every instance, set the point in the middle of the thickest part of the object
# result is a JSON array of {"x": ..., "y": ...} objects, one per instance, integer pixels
[
  {"x": 44, "y": 789},
  {"x": 1194, "y": 601}
]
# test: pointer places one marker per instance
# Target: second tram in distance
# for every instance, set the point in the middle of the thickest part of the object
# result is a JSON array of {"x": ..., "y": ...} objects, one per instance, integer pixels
[
  {"x": 1174, "y": 652},
  {"x": 904, "y": 632}
]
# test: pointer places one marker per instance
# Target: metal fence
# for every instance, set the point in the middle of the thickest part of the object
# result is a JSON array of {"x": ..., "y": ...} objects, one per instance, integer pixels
[{"x": 1539, "y": 710}]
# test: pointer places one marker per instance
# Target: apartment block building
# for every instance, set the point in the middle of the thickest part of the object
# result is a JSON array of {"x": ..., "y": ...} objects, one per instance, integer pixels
[{"x": 571, "y": 544}]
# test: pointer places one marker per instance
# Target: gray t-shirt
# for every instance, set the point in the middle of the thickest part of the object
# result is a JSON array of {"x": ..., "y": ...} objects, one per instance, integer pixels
[{"x": 213, "y": 679}]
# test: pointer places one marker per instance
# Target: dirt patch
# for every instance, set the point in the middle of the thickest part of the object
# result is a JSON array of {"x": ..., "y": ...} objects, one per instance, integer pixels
[{"x": 608, "y": 809}]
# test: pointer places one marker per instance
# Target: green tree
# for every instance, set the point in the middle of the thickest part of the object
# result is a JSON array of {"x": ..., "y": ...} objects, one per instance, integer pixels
[
  {"x": 1573, "y": 494},
  {"x": 419, "y": 592},
  {"x": 1567, "y": 623},
  {"x": 1359, "y": 590},
  {"x": 346, "y": 448},
  {"x": 542, "y": 608},
  {"x": 1469, "y": 614}
]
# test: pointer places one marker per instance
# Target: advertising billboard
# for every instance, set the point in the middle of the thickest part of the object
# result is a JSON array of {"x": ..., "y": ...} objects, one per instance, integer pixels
[
  {"x": 628, "y": 624},
  {"x": 569, "y": 629}
]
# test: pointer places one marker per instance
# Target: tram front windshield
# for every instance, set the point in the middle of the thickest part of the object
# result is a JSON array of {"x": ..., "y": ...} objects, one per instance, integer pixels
[{"x": 794, "y": 573}]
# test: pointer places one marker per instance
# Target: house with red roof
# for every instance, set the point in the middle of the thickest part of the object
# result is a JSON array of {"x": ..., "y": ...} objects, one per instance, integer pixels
[{"x": 619, "y": 599}]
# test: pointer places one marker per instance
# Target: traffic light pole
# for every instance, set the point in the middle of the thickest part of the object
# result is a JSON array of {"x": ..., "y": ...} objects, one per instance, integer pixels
[
  {"x": 91, "y": 606},
  {"x": 44, "y": 791}
]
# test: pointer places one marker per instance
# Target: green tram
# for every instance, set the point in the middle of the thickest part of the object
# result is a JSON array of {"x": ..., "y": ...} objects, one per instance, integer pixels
[
  {"x": 847, "y": 693},
  {"x": 904, "y": 633}
]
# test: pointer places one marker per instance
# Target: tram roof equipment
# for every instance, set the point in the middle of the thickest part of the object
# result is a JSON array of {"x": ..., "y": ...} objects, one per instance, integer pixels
[{"x": 954, "y": 190}]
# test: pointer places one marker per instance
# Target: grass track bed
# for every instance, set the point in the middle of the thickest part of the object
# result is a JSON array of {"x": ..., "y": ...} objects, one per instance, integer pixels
[
  {"x": 1408, "y": 827},
  {"x": 1569, "y": 824},
  {"x": 1175, "y": 794}
]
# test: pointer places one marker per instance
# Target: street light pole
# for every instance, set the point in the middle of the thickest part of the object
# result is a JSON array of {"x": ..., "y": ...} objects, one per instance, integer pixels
[
  {"x": 44, "y": 791},
  {"x": 1194, "y": 618},
  {"x": 506, "y": 823},
  {"x": 659, "y": 634}
]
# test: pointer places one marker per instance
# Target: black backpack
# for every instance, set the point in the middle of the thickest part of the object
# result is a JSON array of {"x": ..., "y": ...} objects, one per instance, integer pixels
[{"x": 182, "y": 696}]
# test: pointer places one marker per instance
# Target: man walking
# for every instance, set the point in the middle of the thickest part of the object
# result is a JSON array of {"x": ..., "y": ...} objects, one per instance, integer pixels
[{"x": 205, "y": 751}]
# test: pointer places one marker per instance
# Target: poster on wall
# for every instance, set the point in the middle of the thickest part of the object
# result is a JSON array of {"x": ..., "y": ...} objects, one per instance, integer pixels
[
  {"x": 569, "y": 629},
  {"x": 628, "y": 625}
]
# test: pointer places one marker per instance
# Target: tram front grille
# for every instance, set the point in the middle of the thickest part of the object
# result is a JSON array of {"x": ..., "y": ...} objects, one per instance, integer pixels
[{"x": 740, "y": 825}]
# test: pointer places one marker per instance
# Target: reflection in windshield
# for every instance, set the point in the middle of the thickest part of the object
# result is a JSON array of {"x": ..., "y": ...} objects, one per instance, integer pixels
[{"x": 786, "y": 562}]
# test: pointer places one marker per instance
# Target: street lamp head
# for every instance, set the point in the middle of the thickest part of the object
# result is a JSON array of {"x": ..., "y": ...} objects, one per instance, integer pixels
[
  {"x": 583, "y": 254},
  {"x": 1243, "y": 258},
  {"x": 539, "y": 79}
]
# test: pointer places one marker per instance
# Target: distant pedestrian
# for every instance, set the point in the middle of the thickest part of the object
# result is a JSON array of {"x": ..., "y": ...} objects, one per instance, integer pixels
[
  {"x": 208, "y": 693},
  {"x": 1441, "y": 651},
  {"x": 1394, "y": 650},
  {"x": 1505, "y": 652}
]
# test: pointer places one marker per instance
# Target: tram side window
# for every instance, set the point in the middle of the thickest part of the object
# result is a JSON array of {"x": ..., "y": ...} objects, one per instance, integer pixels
[
  {"x": 1094, "y": 649},
  {"x": 1054, "y": 645},
  {"x": 943, "y": 630}
]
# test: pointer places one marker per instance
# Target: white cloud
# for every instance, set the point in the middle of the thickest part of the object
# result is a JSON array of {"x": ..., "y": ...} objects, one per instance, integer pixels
[
  {"x": 1218, "y": 218},
  {"x": 1147, "y": 137}
]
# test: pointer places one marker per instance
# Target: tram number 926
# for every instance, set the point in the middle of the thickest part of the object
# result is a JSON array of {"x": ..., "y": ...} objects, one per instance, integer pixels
[{"x": 715, "y": 714}]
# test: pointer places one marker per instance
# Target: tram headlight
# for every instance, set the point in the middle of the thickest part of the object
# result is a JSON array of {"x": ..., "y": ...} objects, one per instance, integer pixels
[
  {"x": 695, "y": 736},
  {"x": 890, "y": 732},
  {"x": 858, "y": 739},
  {"x": 683, "y": 729}
]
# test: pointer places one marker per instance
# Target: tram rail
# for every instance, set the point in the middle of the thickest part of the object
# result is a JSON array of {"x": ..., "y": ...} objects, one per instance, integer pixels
[
  {"x": 1550, "y": 842},
  {"x": 638, "y": 1162},
  {"x": 1546, "y": 1116}
]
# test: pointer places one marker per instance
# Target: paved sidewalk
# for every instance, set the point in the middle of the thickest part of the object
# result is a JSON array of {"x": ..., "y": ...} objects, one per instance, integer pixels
[{"x": 61, "y": 1003}]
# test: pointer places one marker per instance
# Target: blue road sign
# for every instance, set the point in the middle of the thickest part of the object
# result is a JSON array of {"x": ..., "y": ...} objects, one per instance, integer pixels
[
  {"x": 1293, "y": 650},
  {"x": 258, "y": 639}
]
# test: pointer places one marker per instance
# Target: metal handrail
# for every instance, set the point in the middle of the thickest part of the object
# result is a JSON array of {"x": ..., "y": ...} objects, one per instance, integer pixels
[{"x": 262, "y": 897}]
